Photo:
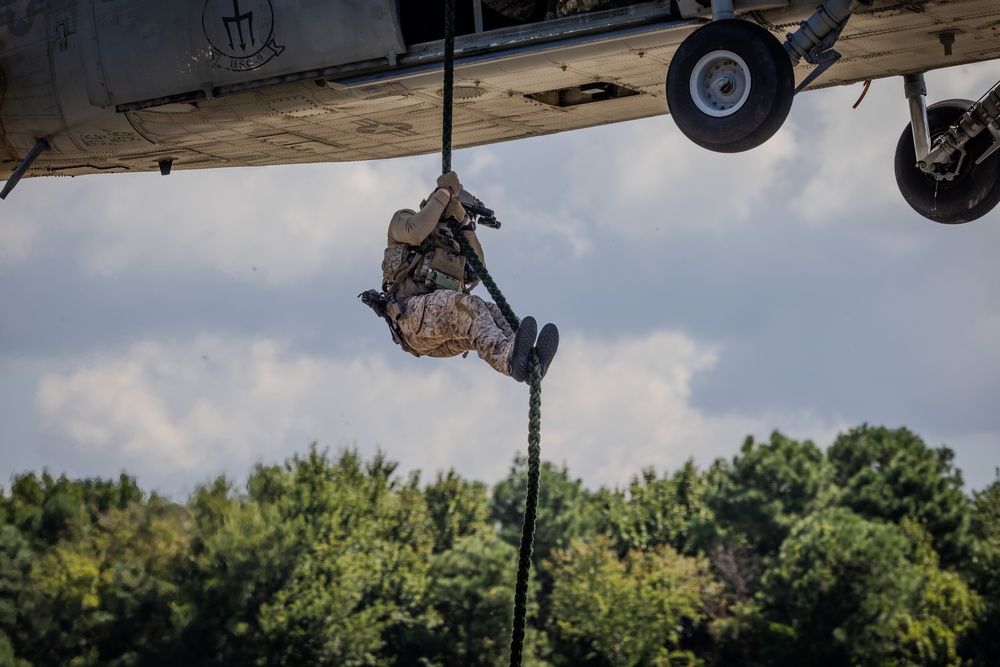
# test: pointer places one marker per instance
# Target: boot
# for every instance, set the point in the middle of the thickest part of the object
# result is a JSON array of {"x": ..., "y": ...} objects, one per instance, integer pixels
[
  {"x": 524, "y": 340},
  {"x": 548, "y": 343}
]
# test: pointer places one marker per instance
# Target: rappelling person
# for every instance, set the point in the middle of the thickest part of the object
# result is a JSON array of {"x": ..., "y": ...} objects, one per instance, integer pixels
[{"x": 427, "y": 280}]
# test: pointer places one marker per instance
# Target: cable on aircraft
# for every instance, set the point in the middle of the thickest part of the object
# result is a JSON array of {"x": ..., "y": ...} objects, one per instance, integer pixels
[{"x": 864, "y": 91}]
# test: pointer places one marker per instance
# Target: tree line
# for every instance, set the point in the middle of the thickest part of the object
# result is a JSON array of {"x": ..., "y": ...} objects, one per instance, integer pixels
[{"x": 865, "y": 553}]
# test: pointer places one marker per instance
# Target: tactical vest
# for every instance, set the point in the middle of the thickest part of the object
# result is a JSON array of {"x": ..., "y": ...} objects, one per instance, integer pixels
[{"x": 437, "y": 263}]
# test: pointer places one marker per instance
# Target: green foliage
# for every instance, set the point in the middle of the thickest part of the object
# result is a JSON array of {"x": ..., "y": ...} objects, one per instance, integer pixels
[
  {"x": 929, "y": 630},
  {"x": 836, "y": 591},
  {"x": 472, "y": 591},
  {"x": 109, "y": 592},
  {"x": 984, "y": 572},
  {"x": 102, "y": 495},
  {"x": 18, "y": 599},
  {"x": 850, "y": 590},
  {"x": 566, "y": 511},
  {"x": 660, "y": 511},
  {"x": 7, "y": 657},
  {"x": 866, "y": 555},
  {"x": 627, "y": 611},
  {"x": 86, "y": 565},
  {"x": 43, "y": 507},
  {"x": 891, "y": 474},
  {"x": 457, "y": 509},
  {"x": 240, "y": 553},
  {"x": 769, "y": 488},
  {"x": 362, "y": 574}
]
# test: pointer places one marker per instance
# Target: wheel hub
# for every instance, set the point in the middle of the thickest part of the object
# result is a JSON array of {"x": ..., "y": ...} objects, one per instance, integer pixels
[
  {"x": 720, "y": 83},
  {"x": 725, "y": 85}
]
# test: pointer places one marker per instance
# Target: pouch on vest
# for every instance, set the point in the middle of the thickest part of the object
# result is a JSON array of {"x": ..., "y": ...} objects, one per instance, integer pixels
[{"x": 442, "y": 269}]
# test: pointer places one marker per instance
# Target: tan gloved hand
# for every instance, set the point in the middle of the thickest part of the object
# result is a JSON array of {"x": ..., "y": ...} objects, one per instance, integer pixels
[
  {"x": 454, "y": 209},
  {"x": 450, "y": 181}
]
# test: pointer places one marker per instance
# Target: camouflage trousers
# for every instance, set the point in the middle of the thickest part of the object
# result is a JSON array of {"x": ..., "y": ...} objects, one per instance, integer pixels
[{"x": 446, "y": 323}]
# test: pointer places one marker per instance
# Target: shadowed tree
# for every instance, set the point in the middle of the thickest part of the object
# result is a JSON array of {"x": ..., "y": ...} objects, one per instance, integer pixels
[
  {"x": 657, "y": 511},
  {"x": 457, "y": 508},
  {"x": 984, "y": 570},
  {"x": 891, "y": 474},
  {"x": 357, "y": 593},
  {"x": 99, "y": 591},
  {"x": 333, "y": 560},
  {"x": 471, "y": 589},
  {"x": 240, "y": 554},
  {"x": 846, "y": 590},
  {"x": 770, "y": 486},
  {"x": 627, "y": 611},
  {"x": 942, "y": 615},
  {"x": 18, "y": 599},
  {"x": 42, "y": 507},
  {"x": 566, "y": 510}
]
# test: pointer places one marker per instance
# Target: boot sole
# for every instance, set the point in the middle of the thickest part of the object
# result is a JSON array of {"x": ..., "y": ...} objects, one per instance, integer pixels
[
  {"x": 547, "y": 345},
  {"x": 524, "y": 340}
]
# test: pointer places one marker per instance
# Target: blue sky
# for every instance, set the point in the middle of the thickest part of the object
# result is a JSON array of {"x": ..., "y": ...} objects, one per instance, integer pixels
[{"x": 182, "y": 327}]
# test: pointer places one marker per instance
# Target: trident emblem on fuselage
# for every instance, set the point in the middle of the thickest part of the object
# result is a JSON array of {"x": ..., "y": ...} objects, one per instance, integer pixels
[
  {"x": 238, "y": 19},
  {"x": 240, "y": 33}
]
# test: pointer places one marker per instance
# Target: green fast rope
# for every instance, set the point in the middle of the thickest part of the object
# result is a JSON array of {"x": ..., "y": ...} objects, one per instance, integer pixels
[
  {"x": 530, "y": 510},
  {"x": 534, "y": 372},
  {"x": 534, "y": 453},
  {"x": 449, "y": 83}
]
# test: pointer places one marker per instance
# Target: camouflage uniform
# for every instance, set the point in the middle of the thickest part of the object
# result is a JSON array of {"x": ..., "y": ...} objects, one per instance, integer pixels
[
  {"x": 446, "y": 323},
  {"x": 437, "y": 321}
]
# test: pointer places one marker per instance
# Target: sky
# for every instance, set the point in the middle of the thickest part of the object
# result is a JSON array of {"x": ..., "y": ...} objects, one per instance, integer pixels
[{"x": 184, "y": 327}]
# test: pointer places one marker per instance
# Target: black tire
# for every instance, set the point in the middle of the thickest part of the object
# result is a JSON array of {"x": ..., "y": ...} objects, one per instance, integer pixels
[
  {"x": 973, "y": 193},
  {"x": 764, "y": 104}
]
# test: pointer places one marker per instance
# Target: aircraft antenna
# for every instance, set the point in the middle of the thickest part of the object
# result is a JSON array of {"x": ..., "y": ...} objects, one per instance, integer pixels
[{"x": 534, "y": 367}]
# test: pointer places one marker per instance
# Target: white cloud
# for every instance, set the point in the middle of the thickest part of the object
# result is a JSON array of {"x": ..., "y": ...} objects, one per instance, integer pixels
[
  {"x": 620, "y": 406},
  {"x": 841, "y": 186},
  {"x": 279, "y": 225},
  {"x": 656, "y": 177},
  {"x": 113, "y": 406},
  {"x": 624, "y": 405},
  {"x": 180, "y": 411},
  {"x": 968, "y": 82}
]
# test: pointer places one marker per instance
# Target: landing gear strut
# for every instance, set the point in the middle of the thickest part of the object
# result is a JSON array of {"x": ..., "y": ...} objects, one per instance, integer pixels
[{"x": 962, "y": 186}]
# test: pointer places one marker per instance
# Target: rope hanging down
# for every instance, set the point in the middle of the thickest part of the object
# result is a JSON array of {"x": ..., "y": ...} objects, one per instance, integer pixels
[
  {"x": 535, "y": 368},
  {"x": 449, "y": 84}
]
